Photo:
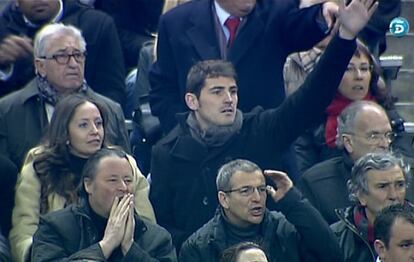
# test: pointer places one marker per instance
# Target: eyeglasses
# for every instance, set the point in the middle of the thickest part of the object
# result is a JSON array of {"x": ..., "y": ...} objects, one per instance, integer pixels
[
  {"x": 63, "y": 59},
  {"x": 248, "y": 190},
  {"x": 364, "y": 69},
  {"x": 376, "y": 137}
]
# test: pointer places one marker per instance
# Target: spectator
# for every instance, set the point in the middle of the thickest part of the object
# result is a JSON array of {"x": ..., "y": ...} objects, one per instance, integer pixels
[
  {"x": 59, "y": 52},
  {"x": 264, "y": 33},
  {"x": 19, "y": 23},
  {"x": 363, "y": 127},
  {"x": 185, "y": 162},
  {"x": 52, "y": 171},
  {"x": 378, "y": 180},
  {"x": 394, "y": 234},
  {"x": 244, "y": 251},
  {"x": 298, "y": 233},
  {"x": 104, "y": 225},
  {"x": 360, "y": 82}
]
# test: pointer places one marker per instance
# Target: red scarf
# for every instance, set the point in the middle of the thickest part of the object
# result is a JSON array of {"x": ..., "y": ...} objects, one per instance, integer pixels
[
  {"x": 364, "y": 227},
  {"x": 338, "y": 104}
]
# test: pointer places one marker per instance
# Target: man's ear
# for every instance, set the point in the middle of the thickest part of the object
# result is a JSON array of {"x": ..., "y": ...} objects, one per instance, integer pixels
[
  {"x": 380, "y": 248},
  {"x": 192, "y": 101},
  {"x": 348, "y": 143},
  {"x": 87, "y": 183},
  {"x": 40, "y": 67},
  {"x": 361, "y": 199},
  {"x": 222, "y": 197}
]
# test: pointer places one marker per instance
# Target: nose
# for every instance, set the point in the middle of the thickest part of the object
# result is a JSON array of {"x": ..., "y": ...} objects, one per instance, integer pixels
[
  {"x": 358, "y": 73},
  {"x": 229, "y": 97},
  {"x": 392, "y": 193},
  {"x": 256, "y": 195},
  {"x": 384, "y": 143},
  {"x": 123, "y": 186},
  {"x": 94, "y": 129},
  {"x": 72, "y": 62}
]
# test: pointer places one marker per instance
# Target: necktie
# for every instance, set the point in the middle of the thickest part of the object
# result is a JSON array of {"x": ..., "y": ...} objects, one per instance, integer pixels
[{"x": 232, "y": 23}]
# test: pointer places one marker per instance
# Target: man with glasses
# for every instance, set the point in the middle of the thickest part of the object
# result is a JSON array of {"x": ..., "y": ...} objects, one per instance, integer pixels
[
  {"x": 60, "y": 57},
  {"x": 363, "y": 127},
  {"x": 22, "y": 19},
  {"x": 296, "y": 233},
  {"x": 378, "y": 180}
]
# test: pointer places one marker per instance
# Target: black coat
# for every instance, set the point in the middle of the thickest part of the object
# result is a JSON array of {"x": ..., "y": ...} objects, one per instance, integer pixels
[
  {"x": 325, "y": 186},
  {"x": 183, "y": 171},
  {"x": 104, "y": 68},
  {"x": 355, "y": 248},
  {"x": 23, "y": 122},
  {"x": 272, "y": 31},
  {"x": 70, "y": 234},
  {"x": 298, "y": 233}
]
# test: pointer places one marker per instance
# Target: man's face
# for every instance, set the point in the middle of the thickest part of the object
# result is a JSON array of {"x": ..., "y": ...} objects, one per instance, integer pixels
[
  {"x": 86, "y": 131},
  {"x": 217, "y": 104},
  {"x": 371, "y": 126},
  {"x": 237, "y": 8},
  {"x": 39, "y": 11},
  {"x": 244, "y": 207},
  {"x": 356, "y": 79},
  {"x": 65, "y": 78},
  {"x": 385, "y": 188},
  {"x": 401, "y": 244},
  {"x": 114, "y": 177}
]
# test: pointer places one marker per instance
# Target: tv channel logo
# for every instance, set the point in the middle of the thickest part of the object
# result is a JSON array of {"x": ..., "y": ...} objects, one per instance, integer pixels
[{"x": 399, "y": 27}]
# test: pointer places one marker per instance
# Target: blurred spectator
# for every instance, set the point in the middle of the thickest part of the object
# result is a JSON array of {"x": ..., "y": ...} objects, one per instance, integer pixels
[
  {"x": 60, "y": 59},
  {"x": 244, "y": 251},
  {"x": 378, "y": 180},
  {"x": 103, "y": 226},
  {"x": 20, "y": 21},
  {"x": 4, "y": 249},
  {"x": 52, "y": 171}
]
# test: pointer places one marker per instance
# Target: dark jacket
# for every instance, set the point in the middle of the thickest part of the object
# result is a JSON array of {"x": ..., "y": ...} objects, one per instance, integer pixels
[
  {"x": 183, "y": 171},
  {"x": 23, "y": 122},
  {"x": 298, "y": 233},
  {"x": 325, "y": 186},
  {"x": 187, "y": 34},
  {"x": 355, "y": 247},
  {"x": 104, "y": 68},
  {"x": 70, "y": 235}
]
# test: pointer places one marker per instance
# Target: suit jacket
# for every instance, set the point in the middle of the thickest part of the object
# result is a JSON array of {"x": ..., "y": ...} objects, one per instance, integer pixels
[
  {"x": 187, "y": 34},
  {"x": 104, "y": 67},
  {"x": 23, "y": 122}
]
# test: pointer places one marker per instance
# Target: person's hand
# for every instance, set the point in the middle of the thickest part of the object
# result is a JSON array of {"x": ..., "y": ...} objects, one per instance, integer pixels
[
  {"x": 282, "y": 181},
  {"x": 128, "y": 239},
  {"x": 13, "y": 48},
  {"x": 329, "y": 12},
  {"x": 115, "y": 228},
  {"x": 353, "y": 17}
]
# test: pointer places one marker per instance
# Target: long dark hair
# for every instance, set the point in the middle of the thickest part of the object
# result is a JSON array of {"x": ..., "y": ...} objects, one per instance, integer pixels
[{"x": 52, "y": 163}]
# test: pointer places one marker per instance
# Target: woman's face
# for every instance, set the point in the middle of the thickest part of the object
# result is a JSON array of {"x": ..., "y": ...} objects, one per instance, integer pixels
[
  {"x": 86, "y": 132},
  {"x": 356, "y": 79}
]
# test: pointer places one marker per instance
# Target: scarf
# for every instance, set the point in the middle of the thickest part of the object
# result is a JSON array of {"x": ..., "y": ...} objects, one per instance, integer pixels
[
  {"x": 307, "y": 59},
  {"x": 338, "y": 104},
  {"x": 215, "y": 135},
  {"x": 364, "y": 227},
  {"x": 49, "y": 94}
]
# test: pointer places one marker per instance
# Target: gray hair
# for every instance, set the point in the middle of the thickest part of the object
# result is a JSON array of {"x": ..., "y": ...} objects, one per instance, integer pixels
[
  {"x": 228, "y": 170},
  {"x": 42, "y": 39},
  {"x": 372, "y": 161},
  {"x": 346, "y": 120}
]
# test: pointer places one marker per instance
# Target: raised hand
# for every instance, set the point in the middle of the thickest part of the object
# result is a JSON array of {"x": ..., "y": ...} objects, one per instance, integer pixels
[
  {"x": 14, "y": 47},
  {"x": 115, "y": 229},
  {"x": 128, "y": 239},
  {"x": 353, "y": 17},
  {"x": 282, "y": 181}
]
